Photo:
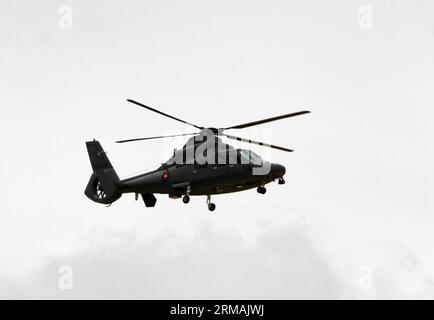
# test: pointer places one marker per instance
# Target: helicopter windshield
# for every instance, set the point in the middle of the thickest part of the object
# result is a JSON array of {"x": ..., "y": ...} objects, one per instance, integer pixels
[{"x": 251, "y": 157}]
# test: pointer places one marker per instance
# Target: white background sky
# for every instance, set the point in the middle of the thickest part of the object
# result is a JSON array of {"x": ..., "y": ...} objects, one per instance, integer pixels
[{"x": 355, "y": 218}]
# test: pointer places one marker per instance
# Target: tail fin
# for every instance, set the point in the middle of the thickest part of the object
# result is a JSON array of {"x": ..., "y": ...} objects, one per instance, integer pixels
[{"x": 102, "y": 186}]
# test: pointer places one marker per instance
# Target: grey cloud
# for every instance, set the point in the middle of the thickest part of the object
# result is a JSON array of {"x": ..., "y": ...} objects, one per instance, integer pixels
[
  {"x": 401, "y": 275},
  {"x": 282, "y": 265}
]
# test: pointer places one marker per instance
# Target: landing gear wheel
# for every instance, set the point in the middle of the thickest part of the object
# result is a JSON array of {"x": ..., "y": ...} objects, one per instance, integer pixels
[
  {"x": 186, "y": 199},
  {"x": 261, "y": 190},
  {"x": 281, "y": 180},
  {"x": 211, "y": 206}
]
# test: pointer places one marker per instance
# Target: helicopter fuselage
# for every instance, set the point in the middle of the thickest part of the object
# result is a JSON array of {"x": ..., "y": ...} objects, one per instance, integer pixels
[{"x": 194, "y": 179}]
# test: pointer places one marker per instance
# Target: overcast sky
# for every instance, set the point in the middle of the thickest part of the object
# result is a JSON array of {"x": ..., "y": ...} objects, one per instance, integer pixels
[{"x": 354, "y": 219}]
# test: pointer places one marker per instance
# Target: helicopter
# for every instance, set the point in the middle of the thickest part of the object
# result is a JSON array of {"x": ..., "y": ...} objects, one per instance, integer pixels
[{"x": 204, "y": 166}]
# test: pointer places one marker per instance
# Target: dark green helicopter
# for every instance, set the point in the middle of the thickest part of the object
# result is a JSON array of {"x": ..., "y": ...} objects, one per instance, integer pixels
[{"x": 204, "y": 166}]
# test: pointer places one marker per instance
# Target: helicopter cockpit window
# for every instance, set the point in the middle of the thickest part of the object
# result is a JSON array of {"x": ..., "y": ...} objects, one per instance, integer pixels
[{"x": 250, "y": 157}]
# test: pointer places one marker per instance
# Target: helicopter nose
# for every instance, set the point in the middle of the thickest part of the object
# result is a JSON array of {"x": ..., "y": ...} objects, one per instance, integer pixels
[{"x": 277, "y": 170}]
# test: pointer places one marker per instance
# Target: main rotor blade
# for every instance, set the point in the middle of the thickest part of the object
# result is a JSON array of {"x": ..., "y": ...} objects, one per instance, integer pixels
[
  {"x": 164, "y": 114},
  {"x": 157, "y": 137},
  {"x": 255, "y": 123},
  {"x": 257, "y": 142}
]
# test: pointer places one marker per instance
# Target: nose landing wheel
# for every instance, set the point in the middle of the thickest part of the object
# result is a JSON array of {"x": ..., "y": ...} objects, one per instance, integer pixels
[
  {"x": 281, "y": 180},
  {"x": 211, "y": 206},
  {"x": 261, "y": 190}
]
